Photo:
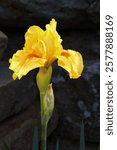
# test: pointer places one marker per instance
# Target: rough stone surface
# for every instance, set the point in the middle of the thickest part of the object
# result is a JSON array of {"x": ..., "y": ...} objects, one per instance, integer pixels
[
  {"x": 3, "y": 43},
  {"x": 17, "y": 132},
  {"x": 69, "y": 14},
  {"x": 79, "y": 100},
  {"x": 86, "y": 42},
  {"x": 15, "y": 96}
]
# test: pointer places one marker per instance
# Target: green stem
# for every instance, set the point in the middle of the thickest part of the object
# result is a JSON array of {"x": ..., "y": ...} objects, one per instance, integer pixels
[
  {"x": 43, "y": 136},
  {"x": 43, "y": 125}
]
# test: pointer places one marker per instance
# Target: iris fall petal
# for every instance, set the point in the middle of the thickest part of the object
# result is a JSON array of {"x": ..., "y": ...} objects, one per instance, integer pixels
[
  {"x": 23, "y": 62},
  {"x": 72, "y": 62}
]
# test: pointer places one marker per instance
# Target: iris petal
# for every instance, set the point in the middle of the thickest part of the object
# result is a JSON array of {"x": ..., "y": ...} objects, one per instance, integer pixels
[
  {"x": 53, "y": 41},
  {"x": 23, "y": 62},
  {"x": 34, "y": 41},
  {"x": 32, "y": 36},
  {"x": 72, "y": 62}
]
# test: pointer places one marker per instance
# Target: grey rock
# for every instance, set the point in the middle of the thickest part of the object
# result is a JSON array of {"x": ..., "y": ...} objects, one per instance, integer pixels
[
  {"x": 93, "y": 11},
  {"x": 81, "y": 105},
  {"x": 17, "y": 132},
  {"x": 95, "y": 106},
  {"x": 86, "y": 42},
  {"x": 79, "y": 100},
  {"x": 92, "y": 68},
  {"x": 15, "y": 96},
  {"x": 87, "y": 114},
  {"x": 19, "y": 110},
  {"x": 3, "y": 43},
  {"x": 69, "y": 14}
]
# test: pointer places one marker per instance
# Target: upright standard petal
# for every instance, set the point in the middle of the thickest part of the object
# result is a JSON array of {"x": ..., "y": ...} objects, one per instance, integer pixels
[
  {"x": 32, "y": 36},
  {"x": 22, "y": 62},
  {"x": 34, "y": 41},
  {"x": 72, "y": 62},
  {"x": 52, "y": 41}
]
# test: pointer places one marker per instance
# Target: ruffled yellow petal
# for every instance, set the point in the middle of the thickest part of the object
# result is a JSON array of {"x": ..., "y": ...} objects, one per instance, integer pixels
[
  {"x": 22, "y": 62},
  {"x": 47, "y": 43},
  {"x": 32, "y": 36},
  {"x": 52, "y": 41},
  {"x": 72, "y": 62},
  {"x": 52, "y": 28},
  {"x": 34, "y": 41}
]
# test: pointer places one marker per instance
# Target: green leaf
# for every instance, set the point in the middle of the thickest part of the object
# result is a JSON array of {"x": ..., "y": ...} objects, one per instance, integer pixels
[
  {"x": 6, "y": 146},
  {"x": 57, "y": 144},
  {"x": 82, "y": 137},
  {"x": 35, "y": 144}
]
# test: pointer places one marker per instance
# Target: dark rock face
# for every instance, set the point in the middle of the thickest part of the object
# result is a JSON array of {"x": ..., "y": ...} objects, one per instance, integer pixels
[
  {"x": 69, "y": 14},
  {"x": 3, "y": 43},
  {"x": 15, "y": 96},
  {"x": 86, "y": 42},
  {"x": 19, "y": 110},
  {"x": 17, "y": 132},
  {"x": 78, "y": 100}
]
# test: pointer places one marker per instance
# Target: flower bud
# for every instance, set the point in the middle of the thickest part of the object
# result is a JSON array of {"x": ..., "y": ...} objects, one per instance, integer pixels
[
  {"x": 43, "y": 79},
  {"x": 48, "y": 103}
]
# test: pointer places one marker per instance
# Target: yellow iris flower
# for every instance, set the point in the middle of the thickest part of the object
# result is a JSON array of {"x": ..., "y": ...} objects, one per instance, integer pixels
[{"x": 41, "y": 49}]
